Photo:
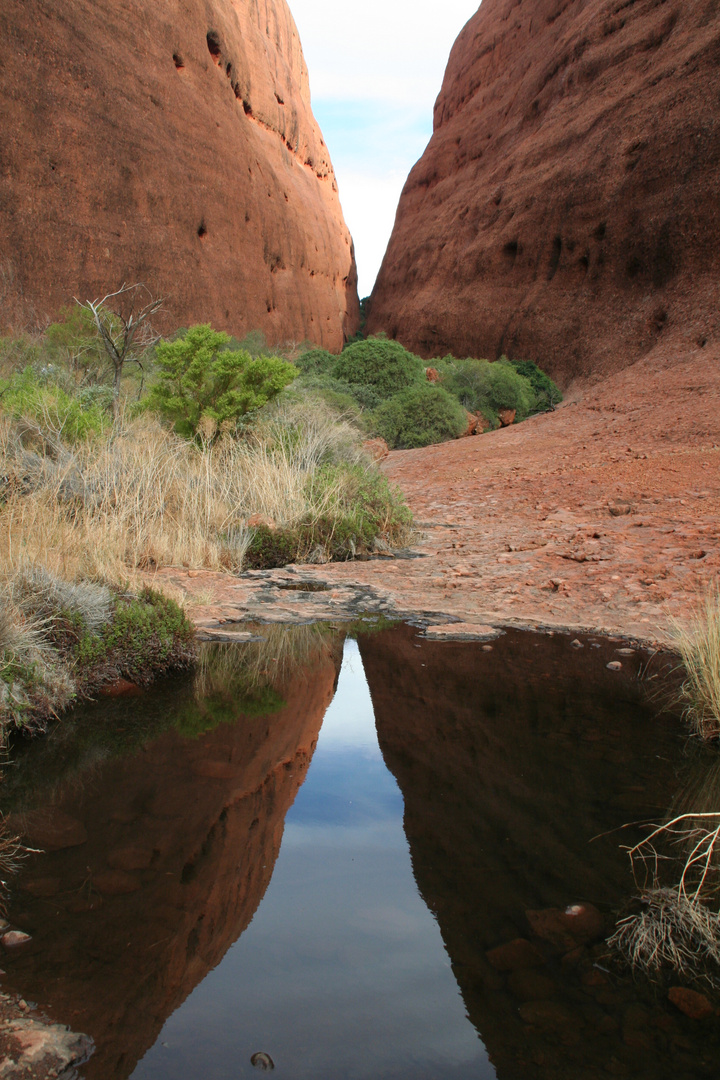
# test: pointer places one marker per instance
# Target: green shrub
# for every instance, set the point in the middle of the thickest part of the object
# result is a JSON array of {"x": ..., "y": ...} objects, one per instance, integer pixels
[
  {"x": 547, "y": 394},
  {"x": 202, "y": 381},
  {"x": 342, "y": 394},
  {"x": 367, "y": 509},
  {"x": 72, "y": 417},
  {"x": 419, "y": 416},
  {"x": 379, "y": 363},
  {"x": 469, "y": 380},
  {"x": 316, "y": 362},
  {"x": 338, "y": 395},
  {"x": 509, "y": 390},
  {"x": 147, "y": 635},
  {"x": 254, "y": 343},
  {"x": 73, "y": 336}
]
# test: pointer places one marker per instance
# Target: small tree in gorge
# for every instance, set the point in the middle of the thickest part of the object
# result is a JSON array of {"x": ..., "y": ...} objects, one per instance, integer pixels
[
  {"x": 122, "y": 321},
  {"x": 204, "y": 385}
]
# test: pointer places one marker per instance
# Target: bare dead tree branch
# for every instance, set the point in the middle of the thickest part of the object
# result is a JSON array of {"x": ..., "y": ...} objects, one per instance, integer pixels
[{"x": 123, "y": 324}]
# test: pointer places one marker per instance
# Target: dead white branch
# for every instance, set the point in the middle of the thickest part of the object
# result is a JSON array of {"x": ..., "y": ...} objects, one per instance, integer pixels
[{"x": 123, "y": 323}]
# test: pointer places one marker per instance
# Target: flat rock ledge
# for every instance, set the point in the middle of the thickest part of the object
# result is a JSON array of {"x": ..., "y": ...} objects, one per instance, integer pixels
[
  {"x": 233, "y": 609},
  {"x": 33, "y": 1048},
  {"x": 600, "y": 518}
]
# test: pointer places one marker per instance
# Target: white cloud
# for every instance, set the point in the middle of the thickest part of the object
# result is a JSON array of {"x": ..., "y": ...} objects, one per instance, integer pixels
[{"x": 375, "y": 71}]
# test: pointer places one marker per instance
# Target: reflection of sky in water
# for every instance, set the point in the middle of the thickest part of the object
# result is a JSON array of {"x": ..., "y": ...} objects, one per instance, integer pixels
[{"x": 342, "y": 972}]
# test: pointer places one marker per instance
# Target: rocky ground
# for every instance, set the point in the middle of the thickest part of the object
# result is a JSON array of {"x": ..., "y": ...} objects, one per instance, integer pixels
[{"x": 603, "y": 516}]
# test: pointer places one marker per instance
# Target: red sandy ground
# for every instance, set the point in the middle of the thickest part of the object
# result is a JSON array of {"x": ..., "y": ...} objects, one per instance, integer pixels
[{"x": 517, "y": 524}]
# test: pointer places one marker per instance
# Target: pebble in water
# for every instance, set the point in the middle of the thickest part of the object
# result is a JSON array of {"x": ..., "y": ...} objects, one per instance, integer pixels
[{"x": 263, "y": 1061}]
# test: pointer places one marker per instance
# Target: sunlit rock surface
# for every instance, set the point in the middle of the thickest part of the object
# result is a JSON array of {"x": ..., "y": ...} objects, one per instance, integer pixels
[{"x": 171, "y": 143}]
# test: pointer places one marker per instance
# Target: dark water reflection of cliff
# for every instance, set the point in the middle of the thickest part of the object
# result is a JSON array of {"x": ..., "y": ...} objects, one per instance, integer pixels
[{"x": 234, "y": 864}]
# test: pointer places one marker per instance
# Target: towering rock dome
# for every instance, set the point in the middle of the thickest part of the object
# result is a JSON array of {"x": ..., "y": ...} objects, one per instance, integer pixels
[
  {"x": 170, "y": 142},
  {"x": 566, "y": 209}
]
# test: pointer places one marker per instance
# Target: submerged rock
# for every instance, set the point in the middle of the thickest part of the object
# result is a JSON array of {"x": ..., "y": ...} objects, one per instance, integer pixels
[
  {"x": 690, "y": 1002},
  {"x": 515, "y": 956},
  {"x": 576, "y": 925},
  {"x": 35, "y": 1048}
]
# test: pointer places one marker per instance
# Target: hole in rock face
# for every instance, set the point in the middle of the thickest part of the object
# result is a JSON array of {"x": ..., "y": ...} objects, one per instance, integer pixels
[
  {"x": 584, "y": 262},
  {"x": 702, "y": 341},
  {"x": 510, "y": 251},
  {"x": 634, "y": 267},
  {"x": 178, "y": 61},
  {"x": 554, "y": 257},
  {"x": 600, "y": 232},
  {"x": 248, "y": 108},
  {"x": 202, "y": 229},
  {"x": 660, "y": 318},
  {"x": 213, "y": 44},
  {"x": 228, "y": 70}
]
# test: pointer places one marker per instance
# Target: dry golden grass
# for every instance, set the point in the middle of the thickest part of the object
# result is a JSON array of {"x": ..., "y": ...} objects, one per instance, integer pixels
[
  {"x": 671, "y": 933},
  {"x": 699, "y": 647},
  {"x": 678, "y": 927},
  {"x": 11, "y": 854},
  {"x": 145, "y": 497}
]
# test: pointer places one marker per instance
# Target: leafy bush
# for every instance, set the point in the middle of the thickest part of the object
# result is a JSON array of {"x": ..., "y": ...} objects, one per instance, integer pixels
[
  {"x": 73, "y": 418},
  {"x": 379, "y": 363},
  {"x": 73, "y": 338},
  {"x": 61, "y": 640},
  {"x": 147, "y": 635},
  {"x": 316, "y": 362},
  {"x": 547, "y": 394},
  {"x": 364, "y": 508},
  {"x": 334, "y": 393},
  {"x": 508, "y": 390},
  {"x": 470, "y": 381},
  {"x": 202, "y": 381},
  {"x": 419, "y": 416},
  {"x": 254, "y": 343}
]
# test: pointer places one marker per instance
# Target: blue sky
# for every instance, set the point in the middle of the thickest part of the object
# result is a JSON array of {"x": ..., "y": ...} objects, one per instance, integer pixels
[{"x": 375, "y": 71}]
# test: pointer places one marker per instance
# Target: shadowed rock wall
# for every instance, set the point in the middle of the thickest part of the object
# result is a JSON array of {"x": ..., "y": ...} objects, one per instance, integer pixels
[
  {"x": 565, "y": 210},
  {"x": 170, "y": 142}
]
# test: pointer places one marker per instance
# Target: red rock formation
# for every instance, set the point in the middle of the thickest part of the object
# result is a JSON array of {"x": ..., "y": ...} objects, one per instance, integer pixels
[
  {"x": 172, "y": 143},
  {"x": 565, "y": 210}
]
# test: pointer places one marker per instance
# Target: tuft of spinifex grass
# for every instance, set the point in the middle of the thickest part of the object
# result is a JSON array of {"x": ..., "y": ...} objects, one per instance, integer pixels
[
  {"x": 699, "y": 647},
  {"x": 142, "y": 497},
  {"x": 671, "y": 933}
]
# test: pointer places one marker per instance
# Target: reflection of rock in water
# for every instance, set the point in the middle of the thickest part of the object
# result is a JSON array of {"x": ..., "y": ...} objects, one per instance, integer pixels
[
  {"x": 174, "y": 846},
  {"x": 510, "y": 762}
]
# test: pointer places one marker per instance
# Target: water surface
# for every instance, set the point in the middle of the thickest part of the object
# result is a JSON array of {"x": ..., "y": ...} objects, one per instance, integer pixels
[
  {"x": 342, "y": 971},
  {"x": 310, "y": 849}
]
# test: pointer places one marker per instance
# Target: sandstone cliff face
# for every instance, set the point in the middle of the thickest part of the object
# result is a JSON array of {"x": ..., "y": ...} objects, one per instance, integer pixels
[
  {"x": 170, "y": 142},
  {"x": 566, "y": 208}
]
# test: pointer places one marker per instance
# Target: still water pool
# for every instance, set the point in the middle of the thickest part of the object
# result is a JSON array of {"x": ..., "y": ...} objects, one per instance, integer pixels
[
  {"x": 306, "y": 857},
  {"x": 342, "y": 971}
]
